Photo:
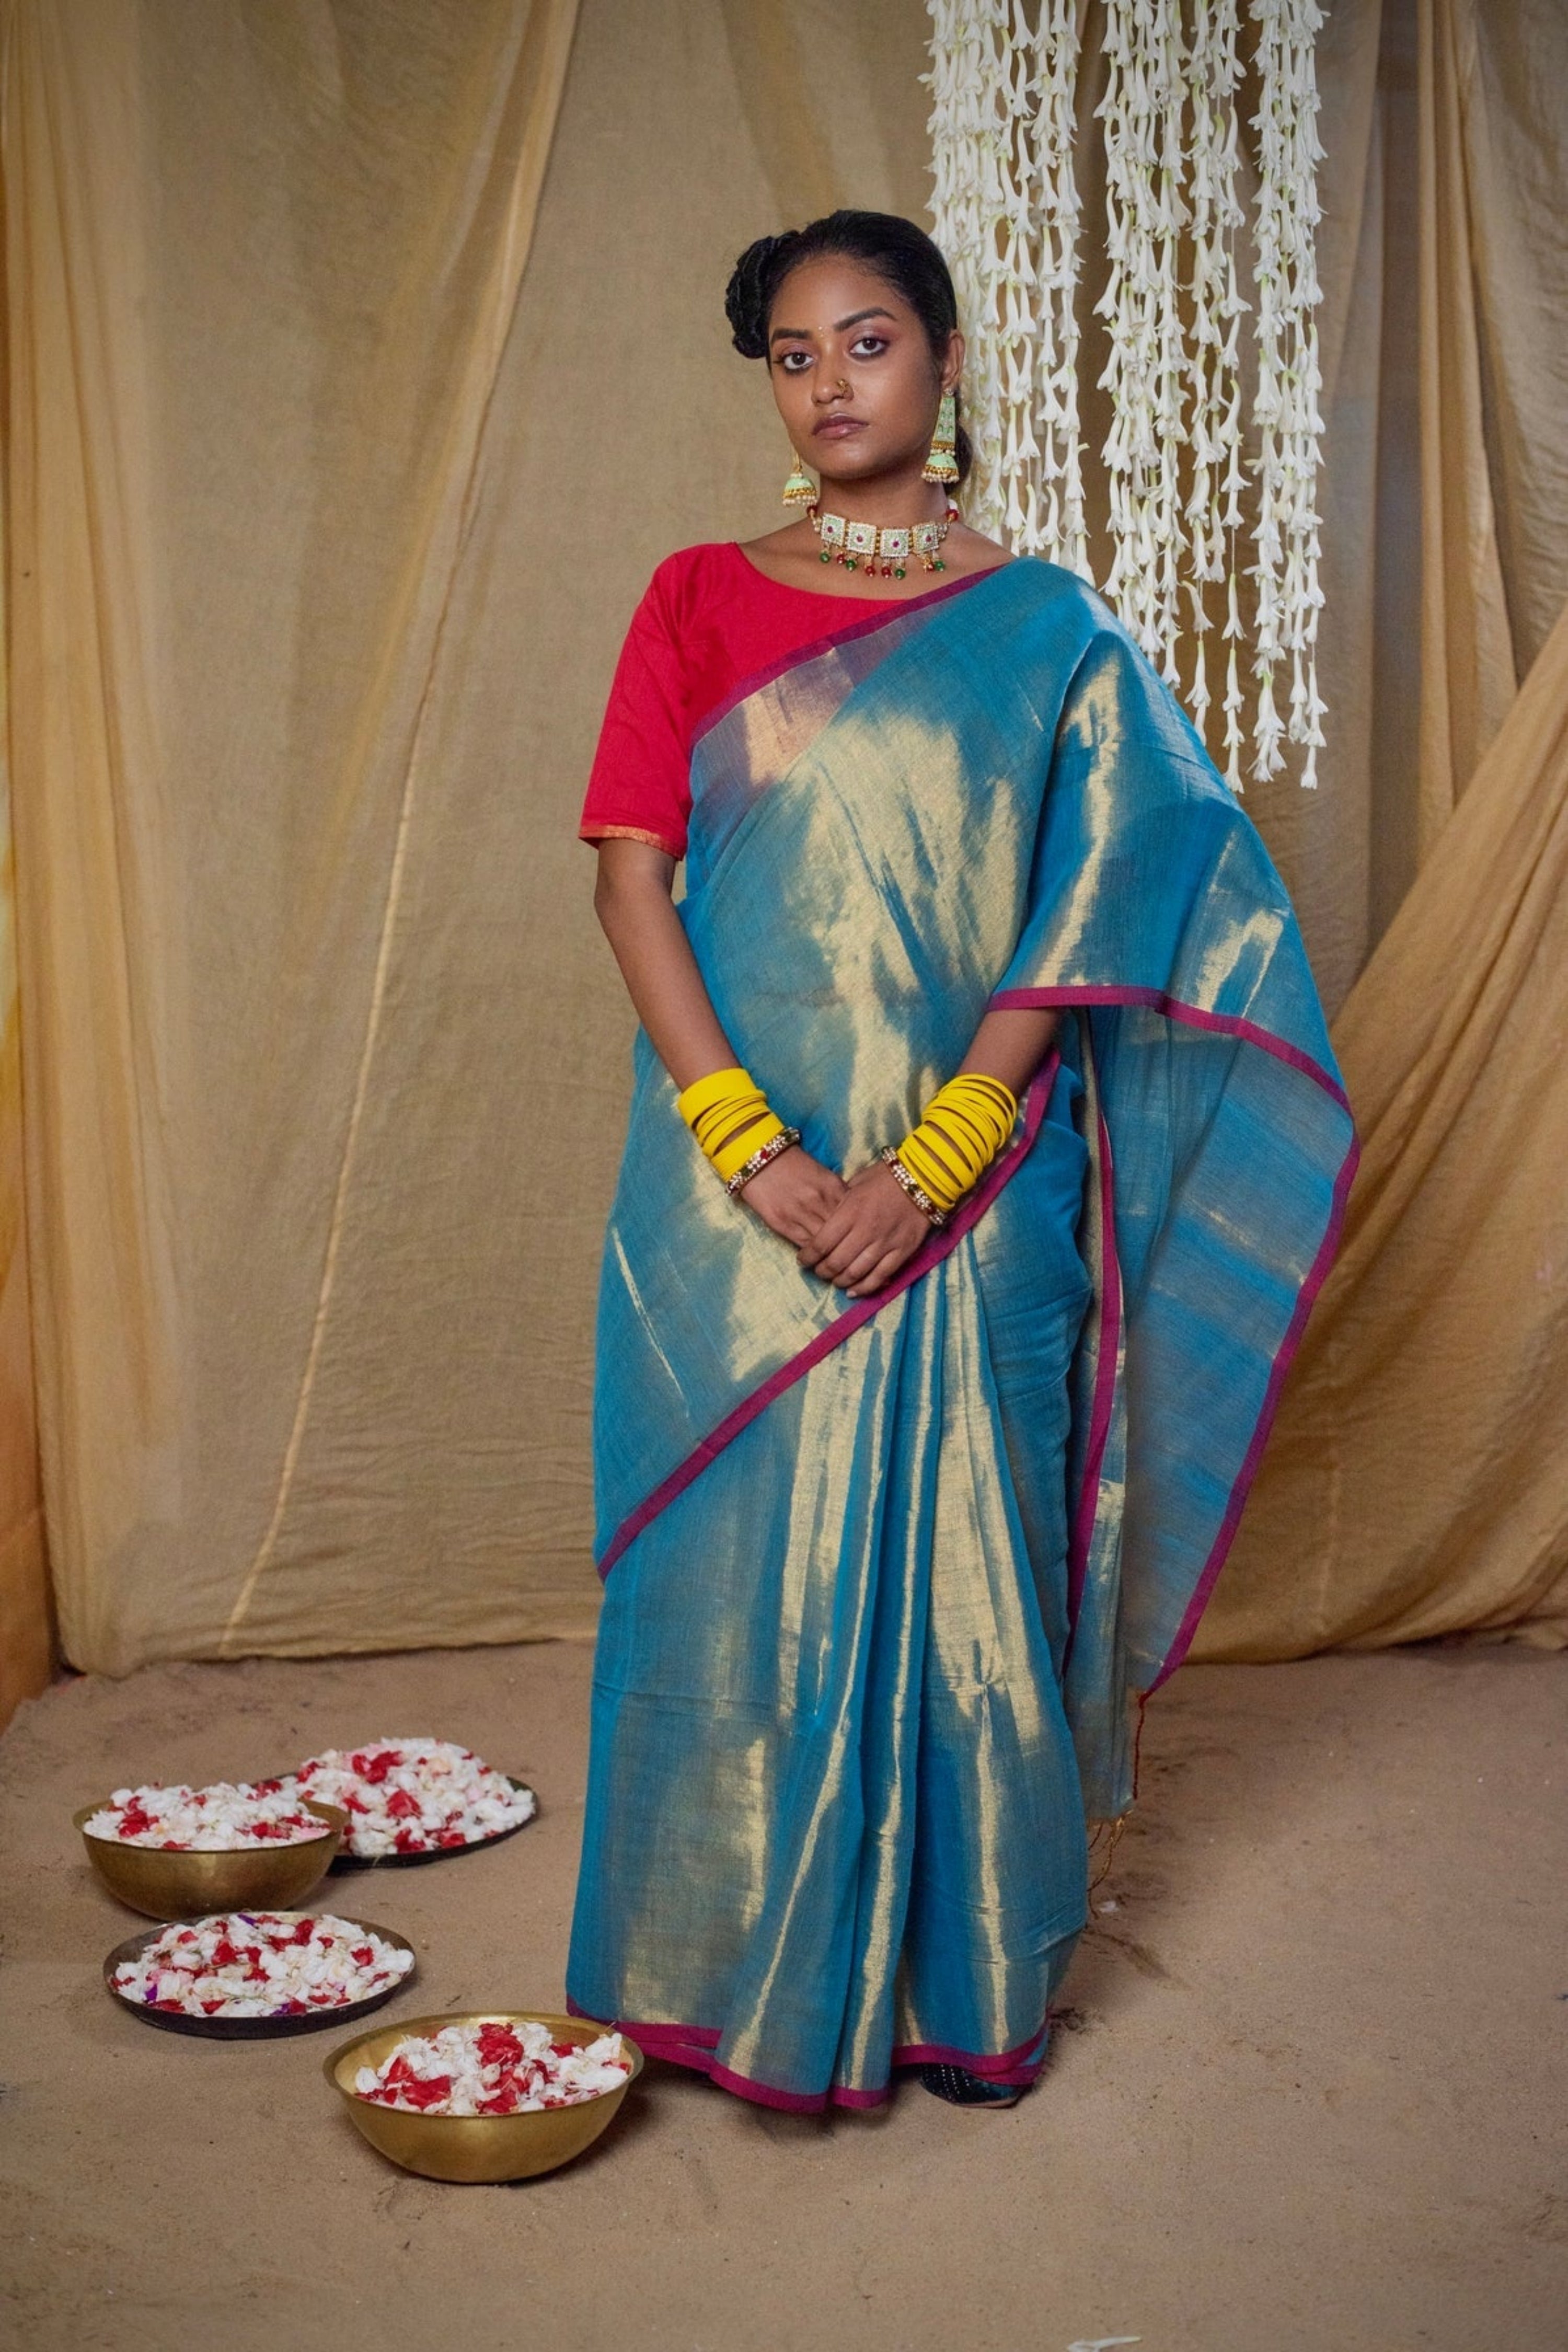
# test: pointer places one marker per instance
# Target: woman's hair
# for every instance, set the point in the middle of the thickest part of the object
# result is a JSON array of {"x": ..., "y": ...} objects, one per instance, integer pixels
[{"x": 894, "y": 248}]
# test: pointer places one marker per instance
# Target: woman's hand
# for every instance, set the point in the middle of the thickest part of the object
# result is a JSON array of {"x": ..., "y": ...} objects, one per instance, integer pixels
[
  {"x": 794, "y": 1193},
  {"x": 862, "y": 1241}
]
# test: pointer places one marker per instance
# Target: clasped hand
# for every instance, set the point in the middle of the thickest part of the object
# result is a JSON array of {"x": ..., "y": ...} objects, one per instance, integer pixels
[{"x": 855, "y": 1235}]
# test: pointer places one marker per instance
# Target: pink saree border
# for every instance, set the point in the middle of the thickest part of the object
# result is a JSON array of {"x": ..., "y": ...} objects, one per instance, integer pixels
[
  {"x": 1233, "y": 1025},
  {"x": 884, "y": 610},
  {"x": 944, "y": 1240},
  {"x": 1317, "y": 1276},
  {"x": 693, "y": 2046},
  {"x": 1104, "y": 1379}
]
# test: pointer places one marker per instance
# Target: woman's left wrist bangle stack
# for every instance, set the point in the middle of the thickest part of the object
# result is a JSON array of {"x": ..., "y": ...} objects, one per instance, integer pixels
[
  {"x": 917, "y": 1192},
  {"x": 728, "y": 1113},
  {"x": 966, "y": 1123}
]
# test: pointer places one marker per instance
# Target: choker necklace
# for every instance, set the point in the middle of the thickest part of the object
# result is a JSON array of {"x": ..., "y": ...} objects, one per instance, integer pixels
[{"x": 887, "y": 552}]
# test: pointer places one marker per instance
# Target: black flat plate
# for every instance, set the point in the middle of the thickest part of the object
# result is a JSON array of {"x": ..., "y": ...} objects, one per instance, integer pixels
[
  {"x": 342, "y": 1861},
  {"x": 250, "y": 2029}
]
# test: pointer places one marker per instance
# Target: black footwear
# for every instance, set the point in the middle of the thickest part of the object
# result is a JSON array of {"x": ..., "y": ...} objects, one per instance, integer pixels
[{"x": 960, "y": 2088}]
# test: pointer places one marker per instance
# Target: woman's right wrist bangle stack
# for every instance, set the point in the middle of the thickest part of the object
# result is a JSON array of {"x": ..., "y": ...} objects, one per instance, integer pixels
[
  {"x": 760, "y": 1158},
  {"x": 728, "y": 1113}
]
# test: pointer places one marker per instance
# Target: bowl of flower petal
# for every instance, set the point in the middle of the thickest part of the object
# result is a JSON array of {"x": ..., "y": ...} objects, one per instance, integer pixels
[
  {"x": 485, "y": 2095},
  {"x": 180, "y": 1853}
]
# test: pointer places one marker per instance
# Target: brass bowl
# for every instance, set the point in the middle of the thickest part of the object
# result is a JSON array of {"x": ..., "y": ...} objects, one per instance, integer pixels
[
  {"x": 477, "y": 2148},
  {"x": 164, "y": 1885}
]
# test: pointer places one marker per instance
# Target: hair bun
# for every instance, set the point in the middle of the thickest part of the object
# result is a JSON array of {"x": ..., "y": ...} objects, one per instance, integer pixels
[{"x": 751, "y": 284}]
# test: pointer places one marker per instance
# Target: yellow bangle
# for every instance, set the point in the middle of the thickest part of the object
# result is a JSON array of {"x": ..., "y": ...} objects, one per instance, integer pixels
[
  {"x": 728, "y": 1113},
  {"x": 713, "y": 1088},
  {"x": 966, "y": 1123}
]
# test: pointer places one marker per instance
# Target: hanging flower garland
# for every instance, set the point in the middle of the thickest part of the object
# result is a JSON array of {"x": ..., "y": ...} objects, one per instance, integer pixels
[
  {"x": 1285, "y": 407},
  {"x": 973, "y": 62},
  {"x": 1213, "y": 513},
  {"x": 1003, "y": 83},
  {"x": 1002, "y": 120},
  {"x": 1059, "y": 533},
  {"x": 1145, "y": 374}
]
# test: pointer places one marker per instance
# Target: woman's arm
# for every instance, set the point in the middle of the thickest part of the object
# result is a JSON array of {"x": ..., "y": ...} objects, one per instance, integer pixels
[
  {"x": 631, "y": 897},
  {"x": 1011, "y": 1045},
  {"x": 861, "y": 1244},
  {"x": 632, "y": 900}
]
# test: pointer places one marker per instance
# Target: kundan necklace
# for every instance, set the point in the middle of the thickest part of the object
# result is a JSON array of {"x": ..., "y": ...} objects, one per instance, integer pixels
[{"x": 884, "y": 550}]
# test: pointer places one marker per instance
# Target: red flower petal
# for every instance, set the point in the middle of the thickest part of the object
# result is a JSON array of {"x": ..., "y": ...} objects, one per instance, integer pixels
[{"x": 430, "y": 2093}]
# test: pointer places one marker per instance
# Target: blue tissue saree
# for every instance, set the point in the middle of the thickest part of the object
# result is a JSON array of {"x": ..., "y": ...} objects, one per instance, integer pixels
[{"x": 886, "y": 1576}]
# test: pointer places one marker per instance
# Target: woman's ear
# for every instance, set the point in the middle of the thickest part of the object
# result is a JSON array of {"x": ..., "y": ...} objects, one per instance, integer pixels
[{"x": 953, "y": 366}]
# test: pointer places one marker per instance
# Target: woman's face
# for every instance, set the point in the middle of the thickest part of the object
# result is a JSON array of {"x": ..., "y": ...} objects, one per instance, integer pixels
[{"x": 852, "y": 369}]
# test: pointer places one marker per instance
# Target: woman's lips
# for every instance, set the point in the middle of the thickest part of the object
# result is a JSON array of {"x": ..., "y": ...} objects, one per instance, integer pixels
[{"x": 837, "y": 428}]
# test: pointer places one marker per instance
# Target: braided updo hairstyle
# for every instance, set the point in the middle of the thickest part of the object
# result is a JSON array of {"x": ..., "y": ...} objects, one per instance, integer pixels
[{"x": 900, "y": 253}]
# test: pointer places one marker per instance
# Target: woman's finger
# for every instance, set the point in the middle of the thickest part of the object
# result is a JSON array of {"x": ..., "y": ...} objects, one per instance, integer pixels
[
  {"x": 855, "y": 1253},
  {"x": 827, "y": 1267},
  {"x": 826, "y": 1237},
  {"x": 857, "y": 1267},
  {"x": 882, "y": 1272},
  {"x": 839, "y": 1249}
]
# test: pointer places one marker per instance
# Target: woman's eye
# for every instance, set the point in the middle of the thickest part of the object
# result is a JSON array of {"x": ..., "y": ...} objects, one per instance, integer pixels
[
  {"x": 866, "y": 347},
  {"x": 788, "y": 361}
]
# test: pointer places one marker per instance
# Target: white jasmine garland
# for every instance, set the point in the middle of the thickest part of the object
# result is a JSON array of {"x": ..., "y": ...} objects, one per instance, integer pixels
[
  {"x": 1007, "y": 207},
  {"x": 975, "y": 103},
  {"x": 1288, "y": 382},
  {"x": 1006, "y": 211},
  {"x": 1146, "y": 371},
  {"x": 1214, "y": 512},
  {"x": 1060, "y": 534}
]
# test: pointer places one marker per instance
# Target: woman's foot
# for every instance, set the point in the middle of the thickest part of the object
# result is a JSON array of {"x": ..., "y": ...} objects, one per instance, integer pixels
[{"x": 963, "y": 2089}]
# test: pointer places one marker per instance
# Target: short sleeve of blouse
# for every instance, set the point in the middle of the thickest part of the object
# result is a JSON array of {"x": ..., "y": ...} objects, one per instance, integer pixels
[{"x": 638, "y": 787}]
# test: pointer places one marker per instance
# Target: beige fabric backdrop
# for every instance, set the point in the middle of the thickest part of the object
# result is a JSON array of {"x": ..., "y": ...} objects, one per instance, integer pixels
[
  {"x": 326, "y": 517},
  {"x": 1416, "y": 1482},
  {"x": 1417, "y": 1479},
  {"x": 25, "y": 1614},
  {"x": 323, "y": 550}
]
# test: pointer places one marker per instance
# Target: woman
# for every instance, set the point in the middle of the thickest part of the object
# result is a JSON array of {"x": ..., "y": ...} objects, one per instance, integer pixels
[{"x": 984, "y": 1154}]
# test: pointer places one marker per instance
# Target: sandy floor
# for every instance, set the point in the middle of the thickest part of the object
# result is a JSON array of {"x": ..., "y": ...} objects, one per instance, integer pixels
[{"x": 1310, "y": 2095}]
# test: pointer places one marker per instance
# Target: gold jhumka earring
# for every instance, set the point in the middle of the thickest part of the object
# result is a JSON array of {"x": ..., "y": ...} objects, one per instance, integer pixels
[
  {"x": 942, "y": 465},
  {"x": 799, "y": 490}
]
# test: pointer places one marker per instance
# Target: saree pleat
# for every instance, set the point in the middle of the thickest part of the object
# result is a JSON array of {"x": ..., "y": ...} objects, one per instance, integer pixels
[
  {"x": 834, "y": 1810},
  {"x": 884, "y": 1575}
]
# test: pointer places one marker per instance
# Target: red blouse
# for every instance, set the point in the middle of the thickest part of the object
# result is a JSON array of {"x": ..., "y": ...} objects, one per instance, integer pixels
[{"x": 709, "y": 619}]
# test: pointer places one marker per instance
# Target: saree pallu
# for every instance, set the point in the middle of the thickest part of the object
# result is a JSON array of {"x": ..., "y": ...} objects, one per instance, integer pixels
[{"x": 885, "y": 1576}]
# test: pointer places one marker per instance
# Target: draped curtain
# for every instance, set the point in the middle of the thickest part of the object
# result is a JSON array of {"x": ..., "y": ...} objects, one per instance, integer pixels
[
  {"x": 1416, "y": 1483},
  {"x": 362, "y": 357}
]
